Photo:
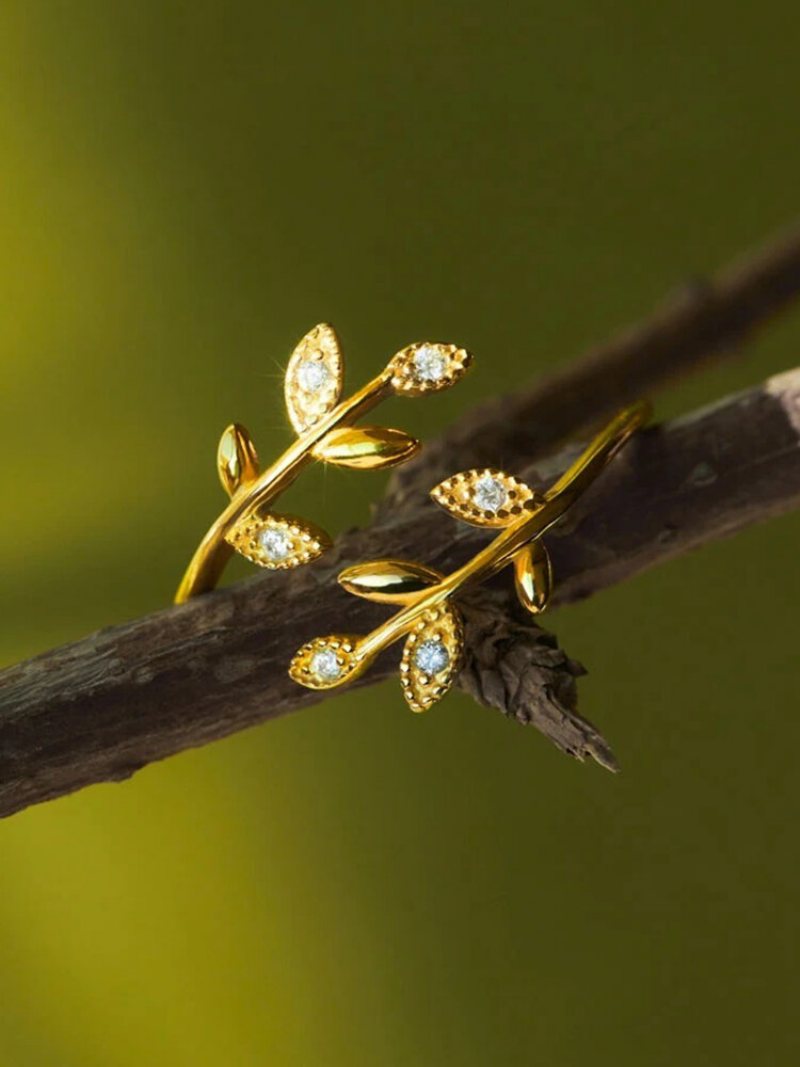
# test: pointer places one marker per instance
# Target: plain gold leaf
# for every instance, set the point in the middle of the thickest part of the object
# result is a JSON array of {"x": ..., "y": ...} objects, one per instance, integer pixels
[
  {"x": 388, "y": 581},
  {"x": 366, "y": 447},
  {"x": 237, "y": 460},
  {"x": 533, "y": 577}
]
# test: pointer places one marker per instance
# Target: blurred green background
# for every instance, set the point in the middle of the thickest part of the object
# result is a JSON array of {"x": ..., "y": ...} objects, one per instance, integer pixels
[{"x": 186, "y": 189}]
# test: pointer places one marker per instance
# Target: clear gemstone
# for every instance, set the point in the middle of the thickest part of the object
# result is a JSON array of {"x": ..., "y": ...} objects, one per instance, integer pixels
[
  {"x": 489, "y": 493},
  {"x": 429, "y": 364},
  {"x": 325, "y": 665},
  {"x": 432, "y": 656},
  {"x": 312, "y": 375},
  {"x": 275, "y": 544}
]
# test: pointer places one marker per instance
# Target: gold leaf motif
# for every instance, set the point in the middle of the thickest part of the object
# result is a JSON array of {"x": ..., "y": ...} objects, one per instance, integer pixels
[
  {"x": 533, "y": 577},
  {"x": 485, "y": 497},
  {"x": 314, "y": 376},
  {"x": 326, "y": 662},
  {"x": 237, "y": 459},
  {"x": 277, "y": 542},
  {"x": 388, "y": 581},
  {"x": 425, "y": 367},
  {"x": 366, "y": 448},
  {"x": 432, "y": 657}
]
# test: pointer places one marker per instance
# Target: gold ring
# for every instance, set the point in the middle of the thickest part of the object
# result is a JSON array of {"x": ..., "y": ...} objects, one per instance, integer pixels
[
  {"x": 430, "y": 621},
  {"x": 324, "y": 424}
]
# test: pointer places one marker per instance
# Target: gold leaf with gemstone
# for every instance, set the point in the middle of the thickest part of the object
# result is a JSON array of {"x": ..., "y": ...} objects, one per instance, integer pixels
[
  {"x": 366, "y": 447},
  {"x": 314, "y": 377},
  {"x": 326, "y": 662},
  {"x": 485, "y": 497},
  {"x": 278, "y": 542},
  {"x": 426, "y": 367},
  {"x": 432, "y": 657},
  {"x": 388, "y": 581}
]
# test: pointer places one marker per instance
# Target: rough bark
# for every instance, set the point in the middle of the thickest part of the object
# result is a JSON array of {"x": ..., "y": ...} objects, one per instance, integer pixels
[
  {"x": 99, "y": 709},
  {"x": 704, "y": 320}
]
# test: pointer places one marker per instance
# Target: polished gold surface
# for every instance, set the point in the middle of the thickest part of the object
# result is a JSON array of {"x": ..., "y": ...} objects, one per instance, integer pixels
[
  {"x": 237, "y": 460},
  {"x": 312, "y": 387},
  {"x": 434, "y": 648},
  {"x": 533, "y": 577},
  {"x": 389, "y": 581},
  {"x": 367, "y": 447}
]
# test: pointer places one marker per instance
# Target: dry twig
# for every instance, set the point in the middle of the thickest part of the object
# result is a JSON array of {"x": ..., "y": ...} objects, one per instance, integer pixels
[{"x": 100, "y": 709}]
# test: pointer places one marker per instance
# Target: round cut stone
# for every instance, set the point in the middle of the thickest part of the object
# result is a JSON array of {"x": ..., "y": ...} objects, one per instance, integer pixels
[
  {"x": 489, "y": 493},
  {"x": 312, "y": 375},
  {"x": 275, "y": 544},
  {"x": 325, "y": 665},
  {"x": 431, "y": 656},
  {"x": 429, "y": 364}
]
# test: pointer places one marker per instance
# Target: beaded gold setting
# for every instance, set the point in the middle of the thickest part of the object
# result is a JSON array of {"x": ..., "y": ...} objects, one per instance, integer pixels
[
  {"x": 326, "y": 661},
  {"x": 487, "y": 497},
  {"x": 314, "y": 376},
  {"x": 423, "y": 368},
  {"x": 278, "y": 542},
  {"x": 433, "y": 656}
]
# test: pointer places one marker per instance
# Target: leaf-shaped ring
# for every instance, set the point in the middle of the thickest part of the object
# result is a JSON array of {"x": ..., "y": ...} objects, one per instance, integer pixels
[
  {"x": 324, "y": 424},
  {"x": 429, "y": 620}
]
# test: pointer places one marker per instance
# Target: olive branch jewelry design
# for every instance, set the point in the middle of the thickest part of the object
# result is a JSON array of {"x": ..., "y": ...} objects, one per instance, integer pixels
[
  {"x": 324, "y": 424},
  {"x": 429, "y": 620}
]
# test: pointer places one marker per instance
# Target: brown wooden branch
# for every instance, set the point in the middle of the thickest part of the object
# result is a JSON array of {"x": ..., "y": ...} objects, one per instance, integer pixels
[
  {"x": 100, "y": 709},
  {"x": 704, "y": 320}
]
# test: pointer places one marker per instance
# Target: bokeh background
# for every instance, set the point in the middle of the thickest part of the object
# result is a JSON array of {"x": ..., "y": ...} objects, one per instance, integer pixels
[{"x": 186, "y": 189}]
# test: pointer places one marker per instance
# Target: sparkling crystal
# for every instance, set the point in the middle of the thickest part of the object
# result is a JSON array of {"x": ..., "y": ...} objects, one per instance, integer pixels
[
  {"x": 489, "y": 493},
  {"x": 431, "y": 656},
  {"x": 429, "y": 364},
  {"x": 325, "y": 665},
  {"x": 312, "y": 375},
  {"x": 275, "y": 544}
]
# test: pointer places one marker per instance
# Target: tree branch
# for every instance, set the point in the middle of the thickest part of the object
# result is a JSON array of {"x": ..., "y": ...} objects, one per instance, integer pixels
[
  {"x": 100, "y": 709},
  {"x": 705, "y": 320}
]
